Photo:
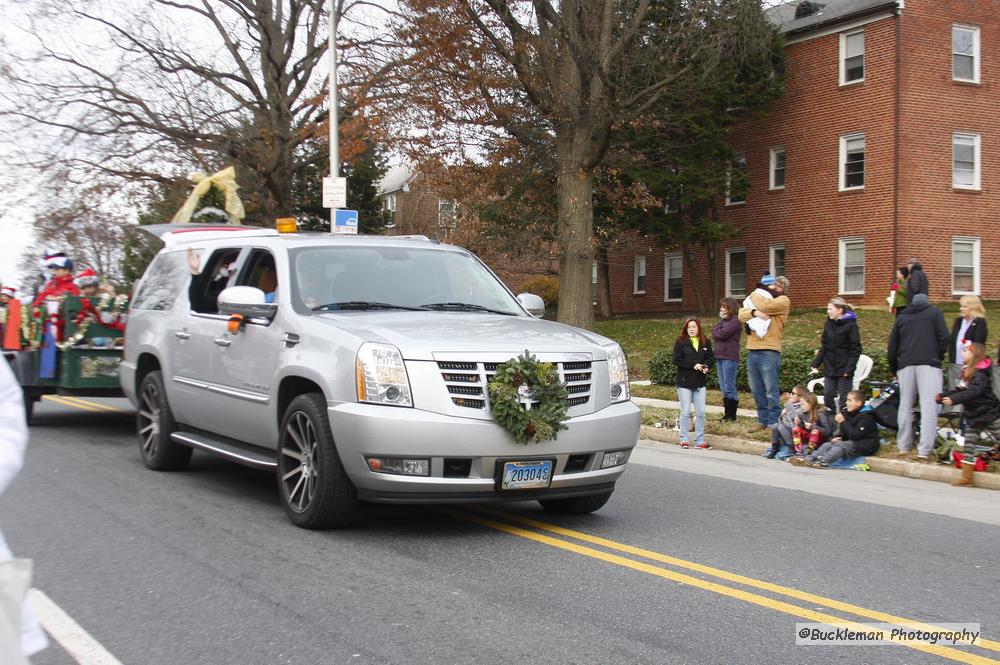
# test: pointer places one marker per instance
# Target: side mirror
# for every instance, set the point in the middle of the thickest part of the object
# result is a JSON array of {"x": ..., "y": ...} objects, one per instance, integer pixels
[
  {"x": 532, "y": 303},
  {"x": 247, "y": 301}
]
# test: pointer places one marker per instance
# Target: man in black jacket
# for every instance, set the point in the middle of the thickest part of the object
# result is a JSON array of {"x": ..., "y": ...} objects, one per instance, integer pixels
[
  {"x": 917, "y": 281},
  {"x": 917, "y": 345}
]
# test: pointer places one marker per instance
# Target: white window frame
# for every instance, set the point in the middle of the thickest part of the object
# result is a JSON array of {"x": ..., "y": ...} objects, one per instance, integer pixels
[
  {"x": 639, "y": 261},
  {"x": 842, "y": 266},
  {"x": 729, "y": 287},
  {"x": 729, "y": 182},
  {"x": 976, "y": 269},
  {"x": 975, "y": 52},
  {"x": 667, "y": 258},
  {"x": 770, "y": 256},
  {"x": 843, "y": 57},
  {"x": 977, "y": 165},
  {"x": 390, "y": 203},
  {"x": 772, "y": 170},
  {"x": 843, "y": 161}
]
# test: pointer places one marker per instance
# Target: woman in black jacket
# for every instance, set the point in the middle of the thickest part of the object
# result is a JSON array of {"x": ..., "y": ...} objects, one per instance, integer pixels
[
  {"x": 839, "y": 351},
  {"x": 693, "y": 358},
  {"x": 982, "y": 408},
  {"x": 971, "y": 326}
]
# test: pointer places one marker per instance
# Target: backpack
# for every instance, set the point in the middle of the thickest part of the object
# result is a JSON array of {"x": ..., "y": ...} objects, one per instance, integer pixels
[{"x": 885, "y": 407}]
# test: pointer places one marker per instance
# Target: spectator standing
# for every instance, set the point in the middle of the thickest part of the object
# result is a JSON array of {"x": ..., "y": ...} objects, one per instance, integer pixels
[
  {"x": 726, "y": 340},
  {"x": 970, "y": 325},
  {"x": 839, "y": 350},
  {"x": 764, "y": 353},
  {"x": 917, "y": 347},
  {"x": 900, "y": 293},
  {"x": 693, "y": 357},
  {"x": 982, "y": 409},
  {"x": 917, "y": 281}
]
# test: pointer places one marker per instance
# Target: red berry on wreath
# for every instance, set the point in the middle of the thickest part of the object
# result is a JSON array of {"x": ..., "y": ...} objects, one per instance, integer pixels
[{"x": 531, "y": 429}]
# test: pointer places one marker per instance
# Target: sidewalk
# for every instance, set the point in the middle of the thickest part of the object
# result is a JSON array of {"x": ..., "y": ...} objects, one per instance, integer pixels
[{"x": 896, "y": 467}]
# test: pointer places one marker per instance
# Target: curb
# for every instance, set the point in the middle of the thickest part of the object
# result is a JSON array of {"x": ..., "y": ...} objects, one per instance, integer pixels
[{"x": 895, "y": 467}]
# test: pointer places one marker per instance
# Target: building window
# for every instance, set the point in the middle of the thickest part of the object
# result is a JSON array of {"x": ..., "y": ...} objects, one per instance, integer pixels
[
  {"x": 736, "y": 272},
  {"x": 852, "y": 161},
  {"x": 736, "y": 182},
  {"x": 965, "y": 266},
  {"x": 447, "y": 213},
  {"x": 390, "y": 203},
  {"x": 852, "y": 266},
  {"x": 673, "y": 278},
  {"x": 639, "y": 279},
  {"x": 777, "y": 168},
  {"x": 852, "y": 57},
  {"x": 777, "y": 260},
  {"x": 965, "y": 161},
  {"x": 965, "y": 54}
]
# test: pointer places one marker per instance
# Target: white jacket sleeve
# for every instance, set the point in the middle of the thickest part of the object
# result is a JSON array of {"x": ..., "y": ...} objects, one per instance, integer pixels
[{"x": 13, "y": 428}]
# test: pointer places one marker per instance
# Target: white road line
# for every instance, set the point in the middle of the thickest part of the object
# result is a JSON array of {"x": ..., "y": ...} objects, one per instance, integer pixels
[{"x": 68, "y": 633}]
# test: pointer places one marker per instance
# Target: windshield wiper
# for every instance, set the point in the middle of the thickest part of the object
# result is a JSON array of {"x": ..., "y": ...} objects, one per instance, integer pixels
[
  {"x": 361, "y": 305},
  {"x": 463, "y": 307}
]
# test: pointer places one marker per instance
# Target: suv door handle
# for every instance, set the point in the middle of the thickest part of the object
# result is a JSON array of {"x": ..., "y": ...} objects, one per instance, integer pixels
[
  {"x": 290, "y": 339},
  {"x": 182, "y": 334},
  {"x": 222, "y": 341}
]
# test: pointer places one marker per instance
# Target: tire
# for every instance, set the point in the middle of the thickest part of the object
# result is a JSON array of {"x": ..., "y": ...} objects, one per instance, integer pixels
[
  {"x": 315, "y": 490},
  {"x": 29, "y": 406},
  {"x": 577, "y": 505},
  {"x": 154, "y": 425}
]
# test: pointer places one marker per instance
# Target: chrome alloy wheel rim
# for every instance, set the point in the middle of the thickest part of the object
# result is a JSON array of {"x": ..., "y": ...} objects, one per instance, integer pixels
[
  {"x": 299, "y": 454},
  {"x": 149, "y": 419}
]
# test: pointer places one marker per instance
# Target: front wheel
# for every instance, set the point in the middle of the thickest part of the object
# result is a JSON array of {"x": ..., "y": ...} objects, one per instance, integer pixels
[
  {"x": 577, "y": 505},
  {"x": 315, "y": 489},
  {"x": 155, "y": 423}
]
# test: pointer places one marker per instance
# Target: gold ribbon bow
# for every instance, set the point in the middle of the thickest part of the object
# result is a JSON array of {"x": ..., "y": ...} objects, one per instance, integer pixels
[{"x": 225, "y": 181}]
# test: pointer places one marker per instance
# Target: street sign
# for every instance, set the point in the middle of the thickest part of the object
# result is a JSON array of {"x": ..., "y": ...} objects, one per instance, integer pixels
[
  {"x": 345, "y": 221},
  {"x": 334, "y": 192}
]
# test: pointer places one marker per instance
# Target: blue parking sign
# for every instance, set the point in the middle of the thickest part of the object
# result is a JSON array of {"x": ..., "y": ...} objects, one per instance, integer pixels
[{"x": 345, "y": 221}]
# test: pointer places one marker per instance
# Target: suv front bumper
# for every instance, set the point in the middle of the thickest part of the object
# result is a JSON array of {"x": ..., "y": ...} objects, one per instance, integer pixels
[{"x": 364, "y": 430}]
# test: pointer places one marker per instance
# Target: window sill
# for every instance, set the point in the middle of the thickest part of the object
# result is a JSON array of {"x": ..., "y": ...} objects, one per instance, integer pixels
[
  {"x": 851, "y": 189},
  {"x": 847, "y": 84},
  {"x": 851, "y": 293},
  {"x": 967, "y": 190},
  {"x": 638, "y": 293},
  {"x": 776, "y": 189},
  {"x": 674, "y": 300},
  {"x": 967, "y": 82},
  {"x": 965, "y": 293},
  {"x": 733, "y": 204}
]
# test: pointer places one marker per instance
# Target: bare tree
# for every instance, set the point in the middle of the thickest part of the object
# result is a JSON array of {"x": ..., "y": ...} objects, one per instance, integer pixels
[
  {"x": 565, "y": 74},
  {"x": 147, "y": 90}
]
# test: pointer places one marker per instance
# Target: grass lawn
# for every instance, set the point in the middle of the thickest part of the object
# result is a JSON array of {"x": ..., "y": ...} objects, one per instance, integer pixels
[{"x": 642, "y": 337}]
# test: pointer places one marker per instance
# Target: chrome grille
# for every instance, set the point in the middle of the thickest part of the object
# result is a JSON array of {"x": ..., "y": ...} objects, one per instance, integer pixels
[{"x": 466, "y": 381}]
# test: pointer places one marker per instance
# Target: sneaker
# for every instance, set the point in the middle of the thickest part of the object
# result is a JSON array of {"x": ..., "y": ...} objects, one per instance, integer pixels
[
  {"x": 703, "y": 446},
  {"x": 862, "y": 467},
  {"x": 798, "y": 461},
  {"x": 685, "y": 444},
  {"x": 819, "y": 464}
]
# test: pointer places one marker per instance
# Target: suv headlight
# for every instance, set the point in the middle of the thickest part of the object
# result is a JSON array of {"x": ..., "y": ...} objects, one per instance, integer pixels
[
  {"x": 381, "y": 375},
  {"x": 618, "y": 374}
]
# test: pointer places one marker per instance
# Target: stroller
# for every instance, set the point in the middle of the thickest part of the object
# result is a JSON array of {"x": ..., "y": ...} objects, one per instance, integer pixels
[{"x": 884, "y": 407}]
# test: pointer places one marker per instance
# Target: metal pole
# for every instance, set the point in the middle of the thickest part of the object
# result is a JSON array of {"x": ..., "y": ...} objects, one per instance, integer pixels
[{"x": 334, "y": 144}]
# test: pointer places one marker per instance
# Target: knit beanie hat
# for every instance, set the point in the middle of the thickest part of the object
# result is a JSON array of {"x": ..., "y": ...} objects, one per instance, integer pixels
[{"x": 767, "y": 279}]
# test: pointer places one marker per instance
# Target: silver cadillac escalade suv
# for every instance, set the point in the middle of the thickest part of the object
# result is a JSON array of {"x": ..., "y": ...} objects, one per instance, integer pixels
[{"x": 357, "y": 368}]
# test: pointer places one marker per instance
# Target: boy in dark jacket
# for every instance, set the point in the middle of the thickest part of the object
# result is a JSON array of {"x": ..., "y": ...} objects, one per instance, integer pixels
[{"x": 857, "y": 434}]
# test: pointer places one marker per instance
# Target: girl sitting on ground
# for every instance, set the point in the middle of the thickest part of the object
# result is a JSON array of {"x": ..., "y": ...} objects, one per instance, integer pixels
[
  {"x": 857, "y": 434},
  {"x": 813, "y": 426},
  {"x": 982, "y": 409},
  {"x": 781, "y": 433}
]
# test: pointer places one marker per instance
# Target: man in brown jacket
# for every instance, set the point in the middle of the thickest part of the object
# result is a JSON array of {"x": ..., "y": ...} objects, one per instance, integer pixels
[{"x": 764, "y": 353}]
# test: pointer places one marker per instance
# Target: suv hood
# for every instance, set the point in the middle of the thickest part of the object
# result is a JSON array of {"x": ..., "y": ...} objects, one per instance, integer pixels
[{"x": 422, "y": 336}]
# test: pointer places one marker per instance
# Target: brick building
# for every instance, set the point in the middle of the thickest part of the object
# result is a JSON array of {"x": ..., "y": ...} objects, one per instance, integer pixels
[
  {"x": 885, "y": 145},
  {"x": 414, "y": 204}
]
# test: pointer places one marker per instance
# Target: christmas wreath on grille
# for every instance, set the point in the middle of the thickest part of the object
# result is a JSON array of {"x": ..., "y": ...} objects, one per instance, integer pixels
[{"x": 528, "y": 399}]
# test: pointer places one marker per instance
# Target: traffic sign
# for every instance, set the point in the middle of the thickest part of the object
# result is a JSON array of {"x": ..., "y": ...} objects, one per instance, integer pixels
[
  {"x": 345, "y": 221},
  {"x": 334, "y": 192}
]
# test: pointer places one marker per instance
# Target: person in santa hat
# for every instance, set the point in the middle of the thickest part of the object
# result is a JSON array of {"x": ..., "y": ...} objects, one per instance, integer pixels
[
  {"x": 61, "y": 283},
  {"x": 88, "y": 281},
  {"x": 10, "y": 319}
]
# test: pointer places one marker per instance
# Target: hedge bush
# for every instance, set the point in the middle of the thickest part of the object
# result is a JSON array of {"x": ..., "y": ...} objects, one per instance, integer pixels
[
  {"x": 545, "y": 287},
  {"x": 795, "y": 364}
]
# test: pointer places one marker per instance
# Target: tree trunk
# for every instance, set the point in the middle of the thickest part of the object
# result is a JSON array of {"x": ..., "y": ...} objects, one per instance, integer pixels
[
  {"x": 603, "y": 282},
  {"x": 576, "y": 227}
]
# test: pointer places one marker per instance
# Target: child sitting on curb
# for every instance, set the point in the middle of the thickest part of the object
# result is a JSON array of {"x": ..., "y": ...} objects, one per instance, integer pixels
[
  {"x": 781, "y": 433},
  {"x": 856, "y": 435}
]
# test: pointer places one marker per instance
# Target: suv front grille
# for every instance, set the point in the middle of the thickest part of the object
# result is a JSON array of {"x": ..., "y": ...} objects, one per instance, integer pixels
[{"x": 467, "y": 381}]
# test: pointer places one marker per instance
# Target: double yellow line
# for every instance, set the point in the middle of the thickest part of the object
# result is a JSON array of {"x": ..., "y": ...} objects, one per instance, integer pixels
[
  {"x": 85, "y": 405},
  {"x": 739, "y": 594}
]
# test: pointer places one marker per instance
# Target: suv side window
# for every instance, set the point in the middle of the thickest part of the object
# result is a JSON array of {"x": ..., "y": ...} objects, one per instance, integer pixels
[
  {"x": 260, "y": 271},
  {"x": 219, "y": 271},
  {"x": 164, "y": 279}
]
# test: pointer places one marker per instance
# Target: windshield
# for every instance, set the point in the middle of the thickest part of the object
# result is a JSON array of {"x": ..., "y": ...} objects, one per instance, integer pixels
[{"x": 383, "y": 278}]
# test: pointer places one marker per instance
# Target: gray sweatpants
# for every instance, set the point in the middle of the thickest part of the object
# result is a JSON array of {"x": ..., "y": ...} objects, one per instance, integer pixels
[
  {"x": 831, "y": 451},
  {"x": 921, "y": 381}
]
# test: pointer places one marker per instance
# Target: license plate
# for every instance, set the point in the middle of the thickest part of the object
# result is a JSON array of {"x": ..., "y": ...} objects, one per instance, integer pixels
[{"x": 531, "y": 474}]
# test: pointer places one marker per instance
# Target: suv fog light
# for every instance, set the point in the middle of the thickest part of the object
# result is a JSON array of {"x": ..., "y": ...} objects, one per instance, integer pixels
[
  {"x": 400, "y": 466},
  {"x": 616, "y": 391},
  {"x": 614, "y": 458}
]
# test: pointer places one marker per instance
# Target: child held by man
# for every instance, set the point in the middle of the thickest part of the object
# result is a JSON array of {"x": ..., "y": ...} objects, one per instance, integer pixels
[{"x": 757, "y": 325}]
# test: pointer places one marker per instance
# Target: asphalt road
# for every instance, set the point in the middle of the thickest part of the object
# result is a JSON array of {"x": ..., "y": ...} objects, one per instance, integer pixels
[{"x": 202, "y": 567}]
